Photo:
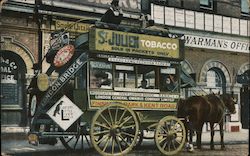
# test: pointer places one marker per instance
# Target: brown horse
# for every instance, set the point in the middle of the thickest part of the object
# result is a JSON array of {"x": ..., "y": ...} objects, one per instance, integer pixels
[{"x": 200, "y": 109}]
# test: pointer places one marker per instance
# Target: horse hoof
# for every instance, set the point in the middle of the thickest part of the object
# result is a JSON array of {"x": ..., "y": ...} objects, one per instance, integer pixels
[
  {"x": 223, "y": 148},
  {"x": 189, "y": 147}
]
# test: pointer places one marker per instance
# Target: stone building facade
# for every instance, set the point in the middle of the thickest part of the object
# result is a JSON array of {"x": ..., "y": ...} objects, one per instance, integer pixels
[{"x": 216, "y": 47}]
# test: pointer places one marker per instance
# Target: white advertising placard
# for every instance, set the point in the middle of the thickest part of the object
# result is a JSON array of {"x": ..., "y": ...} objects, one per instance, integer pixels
[{"x": 64, "y": 112}]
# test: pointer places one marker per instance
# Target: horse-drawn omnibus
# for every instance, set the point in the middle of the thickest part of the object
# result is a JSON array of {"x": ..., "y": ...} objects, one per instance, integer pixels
[{"x": 113, "y": 82}]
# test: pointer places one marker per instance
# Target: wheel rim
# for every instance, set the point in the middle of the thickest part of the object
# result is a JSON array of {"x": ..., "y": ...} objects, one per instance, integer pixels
[
  {"x": 114, "y": 130},
  {"x": 170, "y": 135}
]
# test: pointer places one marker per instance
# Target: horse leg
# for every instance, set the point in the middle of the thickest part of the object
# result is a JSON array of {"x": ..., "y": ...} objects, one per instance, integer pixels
[
  {"x": 222, "y": 136},
  {"x": 198, "y": 140},
  {"x": 212, "y": 136},
  {"x": 189, "y": 131}
]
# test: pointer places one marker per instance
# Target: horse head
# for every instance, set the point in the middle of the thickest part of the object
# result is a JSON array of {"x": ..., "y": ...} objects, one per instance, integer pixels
[{"x": 229, "y": 102}]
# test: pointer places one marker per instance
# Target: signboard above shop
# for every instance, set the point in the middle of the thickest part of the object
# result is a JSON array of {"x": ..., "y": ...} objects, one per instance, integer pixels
[
  {"x": 110, "y": 41},
  {"x": 217, "y": 43}
]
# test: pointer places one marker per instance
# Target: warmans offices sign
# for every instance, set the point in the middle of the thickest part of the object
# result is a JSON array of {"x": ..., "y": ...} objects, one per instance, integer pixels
[
  {"x": 104, "y": 40},
  {"x": 216, "y": 43}
]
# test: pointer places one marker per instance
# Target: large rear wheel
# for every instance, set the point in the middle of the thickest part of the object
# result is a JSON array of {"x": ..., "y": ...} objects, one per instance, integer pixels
[{"x": 114, "y": 130}]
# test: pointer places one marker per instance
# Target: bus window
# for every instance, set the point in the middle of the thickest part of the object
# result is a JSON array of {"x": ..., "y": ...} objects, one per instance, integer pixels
[
  {"x": 169, "y": 79},
  {"x": 100, "y": 75},
  {"x": 146, "y": 77},
  {"x": 124, "y": 76}
]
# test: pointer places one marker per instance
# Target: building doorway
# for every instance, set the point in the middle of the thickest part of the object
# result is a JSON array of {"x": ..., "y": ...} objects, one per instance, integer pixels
[
  {"x": 13, "y": 92},
  {"x": 244, "y": 79}
]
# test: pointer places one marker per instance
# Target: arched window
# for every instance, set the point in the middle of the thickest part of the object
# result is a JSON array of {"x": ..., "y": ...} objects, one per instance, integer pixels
[{"x": 215, "y": 80}]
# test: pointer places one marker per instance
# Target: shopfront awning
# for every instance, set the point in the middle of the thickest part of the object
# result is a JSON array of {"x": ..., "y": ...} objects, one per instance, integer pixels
[{"x": 187, "y": 80}]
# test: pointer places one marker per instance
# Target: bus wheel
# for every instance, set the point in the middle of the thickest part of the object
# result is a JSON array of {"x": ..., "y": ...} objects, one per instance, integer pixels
[
  {"x": 114, "y": 130},
  {"x": 170, "y": 135},
  {"x": 73, "y": 142},
  {"x": 76, "y": 140}
]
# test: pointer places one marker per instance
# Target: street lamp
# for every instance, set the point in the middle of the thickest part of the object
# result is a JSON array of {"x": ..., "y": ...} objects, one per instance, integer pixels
[{"x": 38, "y": 19}]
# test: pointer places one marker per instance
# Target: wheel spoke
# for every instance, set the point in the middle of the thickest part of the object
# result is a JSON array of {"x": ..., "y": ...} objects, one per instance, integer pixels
[
  {"x": 163, "y": 139},
  {"x": 105, "y": 120},
  {"x": 77, "y": 138},
  {"x": 106, "y": 144},
  {"x": 118, "y": 143},
  {"x": 124, "y": 140},
  {"x": 164, "y": 130},
  {"x": 122, "y": 116},
  {"x": 178, "y": 141},
  {"x": 169, "y": 148},
  {"x": 116, "y": 113},
  {"x": 111, "y": 118},
  {"x": 127, "y": 134},
  {"x": 126, "y": 120},
  {"x": 126, "y": 127},
  {"x": 82, "y": 142},
  {"x": 165, "y": 144},
  {"x": 173, "y": 144},
  {"x": 101, "y": 132},
  {"x": 70, "y": 139},
  {"x": 113, "y": 145},
  {"x": 103, "y": 138},
  {"x": 102, "y": 125}
]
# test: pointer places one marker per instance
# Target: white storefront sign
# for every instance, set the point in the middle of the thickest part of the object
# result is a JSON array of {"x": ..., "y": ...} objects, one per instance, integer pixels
[
  {"x": 64, "y": 112},
  {"x": 217, "y": 43}
]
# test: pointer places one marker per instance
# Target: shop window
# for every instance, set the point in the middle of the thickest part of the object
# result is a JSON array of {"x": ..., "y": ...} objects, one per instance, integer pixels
[
  {"x": 169, "y": 79},
  {"x": 100, "y": 75}
]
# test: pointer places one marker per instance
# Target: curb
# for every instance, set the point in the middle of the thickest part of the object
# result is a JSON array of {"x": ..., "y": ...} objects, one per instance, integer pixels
[{"x": 13, "y": 136}]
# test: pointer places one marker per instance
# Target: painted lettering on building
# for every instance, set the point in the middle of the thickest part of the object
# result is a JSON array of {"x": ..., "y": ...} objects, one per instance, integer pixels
[
  {"x": 217, "y": 43},
  {"x": 8, "y": 71}
]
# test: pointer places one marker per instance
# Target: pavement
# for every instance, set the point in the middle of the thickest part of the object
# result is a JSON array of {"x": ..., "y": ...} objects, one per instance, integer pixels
[{"x": 12, "y": 144}]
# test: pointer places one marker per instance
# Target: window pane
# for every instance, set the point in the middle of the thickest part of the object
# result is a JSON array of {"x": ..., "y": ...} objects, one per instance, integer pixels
[
  {"x": 100, "y": 75},
  {"x": 124, "y": 76},
  {"x": 199, "y": 18},
  {"x": 204, "y": 2},
  {"x": 169, "y": 16},
  {"x": 146, "y": 77},
  {"x": 245, "y": 6},
  {"x": 226, "y": 25},
  {"x": 169, "y": 79}
]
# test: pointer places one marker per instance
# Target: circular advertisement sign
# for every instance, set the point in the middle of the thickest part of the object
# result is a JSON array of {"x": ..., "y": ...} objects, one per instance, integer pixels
[
  {"x": 64, "y": 55},
  {"x": 42, "y": 82}
]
